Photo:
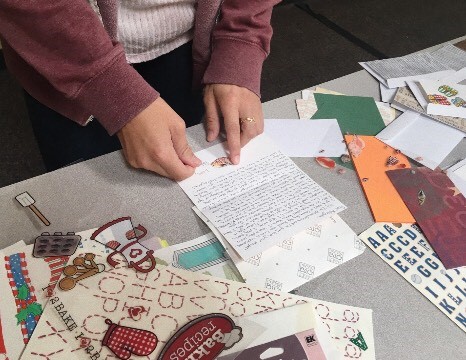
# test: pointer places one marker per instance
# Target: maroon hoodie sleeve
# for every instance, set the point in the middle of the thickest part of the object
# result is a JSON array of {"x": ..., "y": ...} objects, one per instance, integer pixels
[
  {"x": 65, "y": 44},
  {"x": 240, "y": 43}
]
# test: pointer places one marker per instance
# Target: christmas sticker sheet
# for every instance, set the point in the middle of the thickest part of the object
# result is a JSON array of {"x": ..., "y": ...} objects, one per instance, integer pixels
[
  {"x": 26, "y": 284},
  {"x": 135, "y": 313},
  {"x": 405, "y": 248}
]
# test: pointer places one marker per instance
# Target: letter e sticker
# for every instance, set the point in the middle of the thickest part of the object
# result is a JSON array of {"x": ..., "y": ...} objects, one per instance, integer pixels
[{"x": 206, "y": 337}]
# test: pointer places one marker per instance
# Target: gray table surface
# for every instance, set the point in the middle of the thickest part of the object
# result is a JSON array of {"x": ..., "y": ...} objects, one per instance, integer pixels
[{"x": 88, "y": 194}]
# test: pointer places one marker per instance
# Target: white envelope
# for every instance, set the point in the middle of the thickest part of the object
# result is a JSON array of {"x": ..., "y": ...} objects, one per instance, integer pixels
[
  {"x": 421, "y": 138},
  {"x": 306, "y": 138}
]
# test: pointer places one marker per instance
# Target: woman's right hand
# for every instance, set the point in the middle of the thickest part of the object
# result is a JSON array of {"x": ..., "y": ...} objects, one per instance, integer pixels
[{"x": 155, "y": 140}]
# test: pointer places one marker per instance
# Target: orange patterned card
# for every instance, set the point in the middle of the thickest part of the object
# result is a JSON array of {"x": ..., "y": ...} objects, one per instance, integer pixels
[{"x": 372, "y": 158}]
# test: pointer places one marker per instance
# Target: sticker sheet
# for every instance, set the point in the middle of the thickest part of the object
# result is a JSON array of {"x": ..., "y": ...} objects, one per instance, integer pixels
[
  {"x": 406, "y": 250},
  {"x": 26, "y": 283},
  {"x": 136, "y": 313},
  {"x": 438, "y": 207},
  {"x": 297, "y": 337}
]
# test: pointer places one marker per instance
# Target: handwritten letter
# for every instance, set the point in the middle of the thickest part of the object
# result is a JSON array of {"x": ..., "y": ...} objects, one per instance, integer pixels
[{"x": 261, "y": 202}]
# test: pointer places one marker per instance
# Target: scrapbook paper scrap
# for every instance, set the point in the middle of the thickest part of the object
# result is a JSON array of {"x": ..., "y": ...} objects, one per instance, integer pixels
[
  {"x": 422, "y": 139},
  {"x": 438, "y": 207},
  {"x": 307, "y": 106},
  {"x": 299, "y": 259},
  {"x": 204, "y": 254},
  {"x": 297, "y": 138},
  {"x": 355, "y": 114},
  {"x": 371, "y": 164},
  {"x": 167, "y": 300},
  {"x": 457, "y": 174},
  {"x": 405, "y": 248},
  {"x": 260, "y": 202}
]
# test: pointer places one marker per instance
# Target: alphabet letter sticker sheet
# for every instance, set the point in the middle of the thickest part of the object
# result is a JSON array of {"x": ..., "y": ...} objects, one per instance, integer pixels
[{"x": 405, "y": 248}]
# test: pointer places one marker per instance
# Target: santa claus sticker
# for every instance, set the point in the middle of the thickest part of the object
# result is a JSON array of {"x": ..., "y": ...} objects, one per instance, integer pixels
[{"x": 203, "y": 338}]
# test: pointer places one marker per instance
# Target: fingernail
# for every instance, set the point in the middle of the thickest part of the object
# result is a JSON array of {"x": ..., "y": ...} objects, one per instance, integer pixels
[
  {"x": 210, "y": 135},
  {"x": 197, "y": 161},
  {"x": 235, "y": 160}
]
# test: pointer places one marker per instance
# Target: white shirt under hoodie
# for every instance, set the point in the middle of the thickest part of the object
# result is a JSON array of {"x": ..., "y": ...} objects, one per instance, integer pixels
[{"x": 150, "y": 28}]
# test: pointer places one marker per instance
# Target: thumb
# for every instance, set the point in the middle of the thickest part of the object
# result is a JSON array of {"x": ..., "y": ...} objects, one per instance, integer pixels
[{"x": 182, "y": 149}]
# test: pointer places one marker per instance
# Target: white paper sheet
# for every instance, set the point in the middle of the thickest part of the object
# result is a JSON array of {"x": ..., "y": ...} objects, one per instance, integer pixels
[
  {"x": 387, "y": 94},
  {"x": 260, "y": 202},
  {"x": 299, "y": 259},
  {"x": 434, "y": 65},
  {"x": 458, "y": 77},
  {"x": 417, "y": 92},
  {"x": 306, "y": 138},
  {"x": 457, "y": 174},
  {"x": 425, "y": 140}
]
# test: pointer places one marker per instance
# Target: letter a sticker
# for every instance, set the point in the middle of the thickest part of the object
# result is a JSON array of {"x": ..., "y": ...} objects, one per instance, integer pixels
[{"x": 359, "y": 342}]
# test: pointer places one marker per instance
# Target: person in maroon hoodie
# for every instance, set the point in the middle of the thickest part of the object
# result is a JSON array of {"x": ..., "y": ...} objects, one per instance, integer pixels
[{"x": 103, "y": 60}]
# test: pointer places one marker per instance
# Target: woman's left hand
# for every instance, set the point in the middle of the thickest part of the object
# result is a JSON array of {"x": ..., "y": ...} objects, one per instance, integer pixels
[{"x": 241, "y": 111}]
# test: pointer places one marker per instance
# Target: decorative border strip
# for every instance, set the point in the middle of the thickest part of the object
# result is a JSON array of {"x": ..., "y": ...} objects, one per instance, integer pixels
[{"x": 18, "y": 276}]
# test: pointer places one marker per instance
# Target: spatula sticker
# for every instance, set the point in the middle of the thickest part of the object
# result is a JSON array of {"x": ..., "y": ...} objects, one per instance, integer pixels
[
  {"x": 206, "y": 337},
  {"x": 26, "y": 200}
]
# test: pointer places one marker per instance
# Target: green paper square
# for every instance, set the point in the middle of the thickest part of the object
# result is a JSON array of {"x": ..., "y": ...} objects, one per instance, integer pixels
[{"x": 355, "y": 114}]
